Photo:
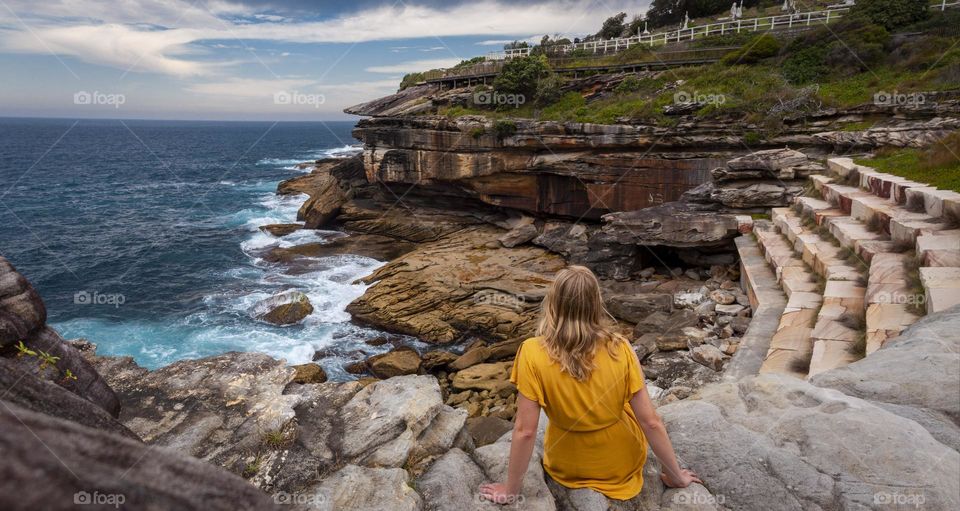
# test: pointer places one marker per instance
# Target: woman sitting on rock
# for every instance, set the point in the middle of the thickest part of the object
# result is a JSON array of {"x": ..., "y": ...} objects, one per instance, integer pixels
[{"x": 588, "y": 380}]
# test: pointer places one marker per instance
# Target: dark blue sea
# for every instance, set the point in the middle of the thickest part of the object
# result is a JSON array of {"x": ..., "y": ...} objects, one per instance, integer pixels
[{"x": 142, "y": 236}]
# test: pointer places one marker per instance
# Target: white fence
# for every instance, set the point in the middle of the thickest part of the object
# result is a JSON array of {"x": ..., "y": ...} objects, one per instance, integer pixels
[{"x": 685, "y": 34}]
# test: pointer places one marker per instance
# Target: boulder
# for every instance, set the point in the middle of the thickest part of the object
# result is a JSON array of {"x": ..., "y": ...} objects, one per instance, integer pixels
[
  {"x": 53, "y": 463},
  {"x": 430, "y": 293},
  {"x": 381, "y": 248},
  {"x": 662, "y": 322},
  {"x": 26, "y": 390},
  {"x": 329, "y": 185},
  {"x": 280, "y": 230},
  {"x": 486, "y": 430},
  {"x": 722, "y": 297},
  {"x": 385, "y": 418},
  {"x": 772, "y": 160},
  {"x": 287, "y": 308},
  {"x": 397, "y": 362},
  {"x": 674, "y": 225},
  {"x": 364, "y": 489},
  {"x": 708, "y": 355},
  {"x": 22, "y": 312},
  {"x": 776, "y": 442},
  {"x": 493, "y": 377},
  {"x": 452, "y": 484},
  {"x": 634, "y": 308},
  {"x": 71, "y": 371},
  {"x": 473, "y": 356},
  {"x": 309, "y": 373},
  {"x": 437, "y": 360},
  {"x": 645, "y": 345},
  {"x": 519, "y": 235},
  {"x": 217, "y": 409}
]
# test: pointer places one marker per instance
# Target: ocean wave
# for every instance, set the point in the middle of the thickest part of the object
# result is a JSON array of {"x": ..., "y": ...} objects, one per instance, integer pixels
[
  {"x": 338, "y": 152},
  {"x": 282, "y": 161}
]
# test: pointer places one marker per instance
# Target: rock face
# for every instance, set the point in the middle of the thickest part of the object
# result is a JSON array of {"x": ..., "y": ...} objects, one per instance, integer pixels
[
  {"x": 776, "y": 442},
  {"x": 329, "y": 187},
  {"x": 22, "y": 312},
  {"x": 514, "y": 172},
  {"x": 217, "y": 409},
  {"x": 53, "y": 463},
  {"x": 61, "y": 443},
  {"x": 914, "y": 377},
  {"x": 396, "y": 362},
  {"x": 287, "y": 308},
  {"x": 438, "y": 296}
]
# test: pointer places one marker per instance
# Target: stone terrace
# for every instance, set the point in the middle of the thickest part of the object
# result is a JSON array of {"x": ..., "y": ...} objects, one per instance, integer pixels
[{"x": 860, "y": 259}]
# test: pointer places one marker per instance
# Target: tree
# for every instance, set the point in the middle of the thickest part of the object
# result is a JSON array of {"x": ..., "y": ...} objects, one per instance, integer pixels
[
  {"x": 613, "y": 26},
  {"x": 893, "y": 14},
  {"x": 522, "y": 75},
  {"x": 671, "y": 12}
]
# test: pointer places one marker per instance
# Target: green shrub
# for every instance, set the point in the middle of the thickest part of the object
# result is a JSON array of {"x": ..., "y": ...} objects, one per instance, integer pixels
[
  {"x": 478, "y": 132},
  {"x": 628, "y": 85},
  {"x": 411, "y": 79},
  {"x": 548, "y": 89},
  {"x": 760, "y": 47},
  {"x": 893, "y": 14},
  {"x": 805, "y": 66},
  {"x": 522, "y": 75},
  {"x": 504, "y": 128}
]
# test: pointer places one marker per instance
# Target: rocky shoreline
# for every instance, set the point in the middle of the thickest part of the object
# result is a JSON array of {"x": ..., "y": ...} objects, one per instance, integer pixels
[
  {"x": 471, "y": 225},
  {"x": 171, "y": 437}
]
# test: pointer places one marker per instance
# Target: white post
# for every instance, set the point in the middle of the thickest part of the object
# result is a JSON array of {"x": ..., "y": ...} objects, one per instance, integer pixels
[{"x": 943, "y": 6}]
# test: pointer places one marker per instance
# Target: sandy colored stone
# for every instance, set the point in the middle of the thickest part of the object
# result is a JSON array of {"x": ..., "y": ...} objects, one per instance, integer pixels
[{"x": 942, "y": 287}]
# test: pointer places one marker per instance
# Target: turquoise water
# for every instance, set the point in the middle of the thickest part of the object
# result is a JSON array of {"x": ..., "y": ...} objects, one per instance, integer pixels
[{"x": 142, "y": 236}]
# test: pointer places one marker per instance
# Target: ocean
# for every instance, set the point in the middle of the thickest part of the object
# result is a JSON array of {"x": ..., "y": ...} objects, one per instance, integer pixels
[{"x": 142, "y": 236}]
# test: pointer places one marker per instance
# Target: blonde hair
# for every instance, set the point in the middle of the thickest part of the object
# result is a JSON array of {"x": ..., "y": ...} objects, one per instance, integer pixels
[{"x": 574, "y": 323}]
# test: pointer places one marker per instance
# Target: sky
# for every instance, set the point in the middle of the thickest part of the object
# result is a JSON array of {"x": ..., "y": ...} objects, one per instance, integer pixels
[{"x": 251, "y": 59}]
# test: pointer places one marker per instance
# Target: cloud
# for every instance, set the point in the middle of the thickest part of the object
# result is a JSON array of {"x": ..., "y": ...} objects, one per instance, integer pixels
[
  {"x": 501, "y": 42},
  {"x": 414, "y": 65},
  {"x": 160, "y": 36},
  {"x": 249, "y": 87}
]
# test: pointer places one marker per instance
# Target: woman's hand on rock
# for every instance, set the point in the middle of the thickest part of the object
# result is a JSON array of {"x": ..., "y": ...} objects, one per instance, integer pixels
[
  {"x": 685, "y": 478},
  {"x": 499, "y": 493}
]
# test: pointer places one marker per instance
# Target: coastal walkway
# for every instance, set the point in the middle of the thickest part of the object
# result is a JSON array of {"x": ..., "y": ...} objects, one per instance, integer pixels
[
  {"x": 862, "y": 257},
  {"x": 484, "y": 73}
]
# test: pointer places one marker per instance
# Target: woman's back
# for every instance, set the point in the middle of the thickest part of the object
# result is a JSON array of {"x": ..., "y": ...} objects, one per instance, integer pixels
[
  {"x": 592, "y": 439},
  {"x": 595, "y": 403}
]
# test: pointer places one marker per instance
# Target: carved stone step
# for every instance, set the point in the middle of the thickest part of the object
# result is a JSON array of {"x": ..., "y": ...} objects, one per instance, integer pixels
[
  {"x": 941, "y": 287},
  {"x": 939, "y": 249}
]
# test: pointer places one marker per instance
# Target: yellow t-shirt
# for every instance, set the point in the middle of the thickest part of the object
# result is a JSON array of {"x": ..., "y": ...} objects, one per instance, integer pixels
[{"x": 592, "y": 439}]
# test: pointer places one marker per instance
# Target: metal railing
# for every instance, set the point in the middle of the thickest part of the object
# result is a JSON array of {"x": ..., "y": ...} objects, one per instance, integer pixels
[{"x": 685, "y": 34}]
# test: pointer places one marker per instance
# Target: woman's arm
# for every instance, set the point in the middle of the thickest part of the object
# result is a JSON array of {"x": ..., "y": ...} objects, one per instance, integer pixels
[
  {"x": 656, "y": 433},
  {"x": 521, "y": 448}
]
